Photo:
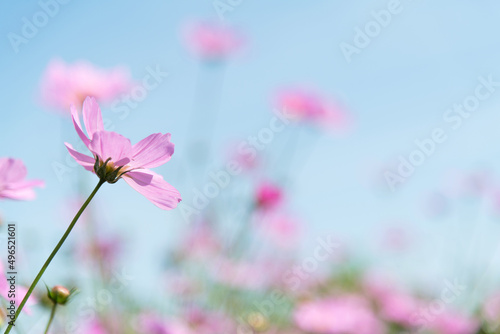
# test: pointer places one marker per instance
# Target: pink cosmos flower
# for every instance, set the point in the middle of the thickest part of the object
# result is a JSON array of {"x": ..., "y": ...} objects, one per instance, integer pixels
[
  {"x": 242, "y": 274},
  {"x": 114, "y": 157},
  {"x": 20, "y": 292},
  {"x": 268, "y": 195},
  {"x": 281, "y": 229},
  {"x": 349, "y": 314},
  {"x": 201, "y": 242},
  {"x": 212, "y": 41},
  {"x": 12, "y": 180},
  {"x": 301, "y": 105},
  {"x": 397, "y": 238},
  {"x": 399, "y": 307},
  {"x": 149, "y": 323},
  {"x": 92, "y": 327},
  {"x": 491, "y": 308},
  {"x": 65, "y": 84},
  {"x": 449, "y": 322}
]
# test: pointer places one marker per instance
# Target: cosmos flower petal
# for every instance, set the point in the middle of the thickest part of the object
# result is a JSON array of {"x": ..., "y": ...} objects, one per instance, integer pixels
[
  {"x": 157, "y": 190},
  {"x": 26, "y": 194},
  {"x": 12, "y": 170},
  {"x": 84, "y": 160},
  {"x": 153, "y": 151},
  {"x": 78, "y": 127},
  {"x": 107, "y": 144},
  {"x": 92, "y": 117},
  {"x": 12, "y": 180}
]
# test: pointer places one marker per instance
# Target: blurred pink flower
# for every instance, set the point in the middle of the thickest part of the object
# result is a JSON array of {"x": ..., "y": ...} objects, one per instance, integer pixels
[
  {"x": 239, "y": 156},
  {"x": 246, "y": 275},
  {"x": 469, "y": 184},
  {"x": 12, "y": 180},
  {"x": 114, "y": 157},
  {"x": 349, "y": 314},
  {"x": 491, "y": 308},
  {"x": 92, "y": 327},
  {"x": 149, "y": 323},
  {"x": 268, "y": 195},
  {"x": 394, "y": 305},
  {"x": 399, "y": 308},
  {"x": 283, "y": 230},
  {"x": 65, "y": 84},
  {"x": 449, "y": 322},
  {"x": 201, "y": 242},
  {"x": 303, "y": 106},
  {"x": 20, "y": 292},
  {"x": 212, "y": 41},
  {"x": 104, "y": 248},
  {"x": 397, "y": 238}
]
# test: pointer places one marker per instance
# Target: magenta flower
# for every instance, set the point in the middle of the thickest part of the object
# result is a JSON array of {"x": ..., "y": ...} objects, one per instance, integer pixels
[
  {"x": 114, "y": 157},
  {"x": 12, "y": 180},
  {"x": 211, "y": 41},
  {"x": 304, "y": 106},
  {"x": 66, "y": 84},
  {"x": 268, "y": 195},
  {"x": 348, "y": 314}
]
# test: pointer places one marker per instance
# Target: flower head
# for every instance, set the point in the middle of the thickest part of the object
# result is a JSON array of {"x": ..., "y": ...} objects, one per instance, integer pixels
[
  {"x": 66, "y": 84},
  {"x": 338, "y": 315},
  {"x": 59, "y": 294},
  {"x": 211, "y": 41},
  {"x": 268, "y": 195},
  {"x": 114, "y": 157},
  {"x": 305, "y": 106},
  {"x": 12, "y": 180}
]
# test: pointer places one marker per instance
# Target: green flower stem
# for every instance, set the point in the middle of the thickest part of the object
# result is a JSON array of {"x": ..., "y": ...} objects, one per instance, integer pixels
[
  {"x": 52, "y": 313},
  {"x": 54, "y": 252}
]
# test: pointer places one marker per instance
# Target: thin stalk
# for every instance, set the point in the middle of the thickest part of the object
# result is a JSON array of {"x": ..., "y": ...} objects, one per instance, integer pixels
[
  {"x": 54, "y": 252},
  {"x": 52, "y": 313}
]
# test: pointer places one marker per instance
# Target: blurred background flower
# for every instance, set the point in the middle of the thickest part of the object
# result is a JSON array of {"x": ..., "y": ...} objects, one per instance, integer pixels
[{"x": 287, "y": 118}]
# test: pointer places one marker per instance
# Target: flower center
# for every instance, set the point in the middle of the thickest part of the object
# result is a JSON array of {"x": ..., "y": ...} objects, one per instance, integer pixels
[{"x": 107, "y": 170}]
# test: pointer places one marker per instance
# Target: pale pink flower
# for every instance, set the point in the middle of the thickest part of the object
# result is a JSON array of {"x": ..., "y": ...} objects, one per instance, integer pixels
[
  {"x": 396, "y": 238},
  {"x": 349, "y": 314},
  {"x": 20, "y": 292},
  {"x": 394, "y": 304},
  {"x": 268, "y": 195},
  {"x": 212, "y": 41},
  {"x": 242, "y": 157},
  {"x": 281, "y": 229},
  {"x": 149, "y": 323},
  {"x": 114, "y": 157},
  {"x": 105, "y": 248},
  {"x": 304, "y": 106},
  {"x": 450, "y": 322},
  {"x": 201, "y": 242},
  {"x": 399, "y": 307},
  {"x": 92, "y": 327},
  {"x": 65, "y": 84},
  {"x": 242, "y": 274},
  {"x": 468, "y": 184},
  {"x": 491, "y": 308},
  {"x": 13, "y": 183}
]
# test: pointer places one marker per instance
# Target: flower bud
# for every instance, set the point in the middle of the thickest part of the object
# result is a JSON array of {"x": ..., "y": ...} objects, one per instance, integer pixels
[{"x": 59, "y": 294}]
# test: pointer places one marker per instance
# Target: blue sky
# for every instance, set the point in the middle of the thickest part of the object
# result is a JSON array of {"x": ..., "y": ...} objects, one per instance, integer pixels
[{"x": 398, "y": 88}]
